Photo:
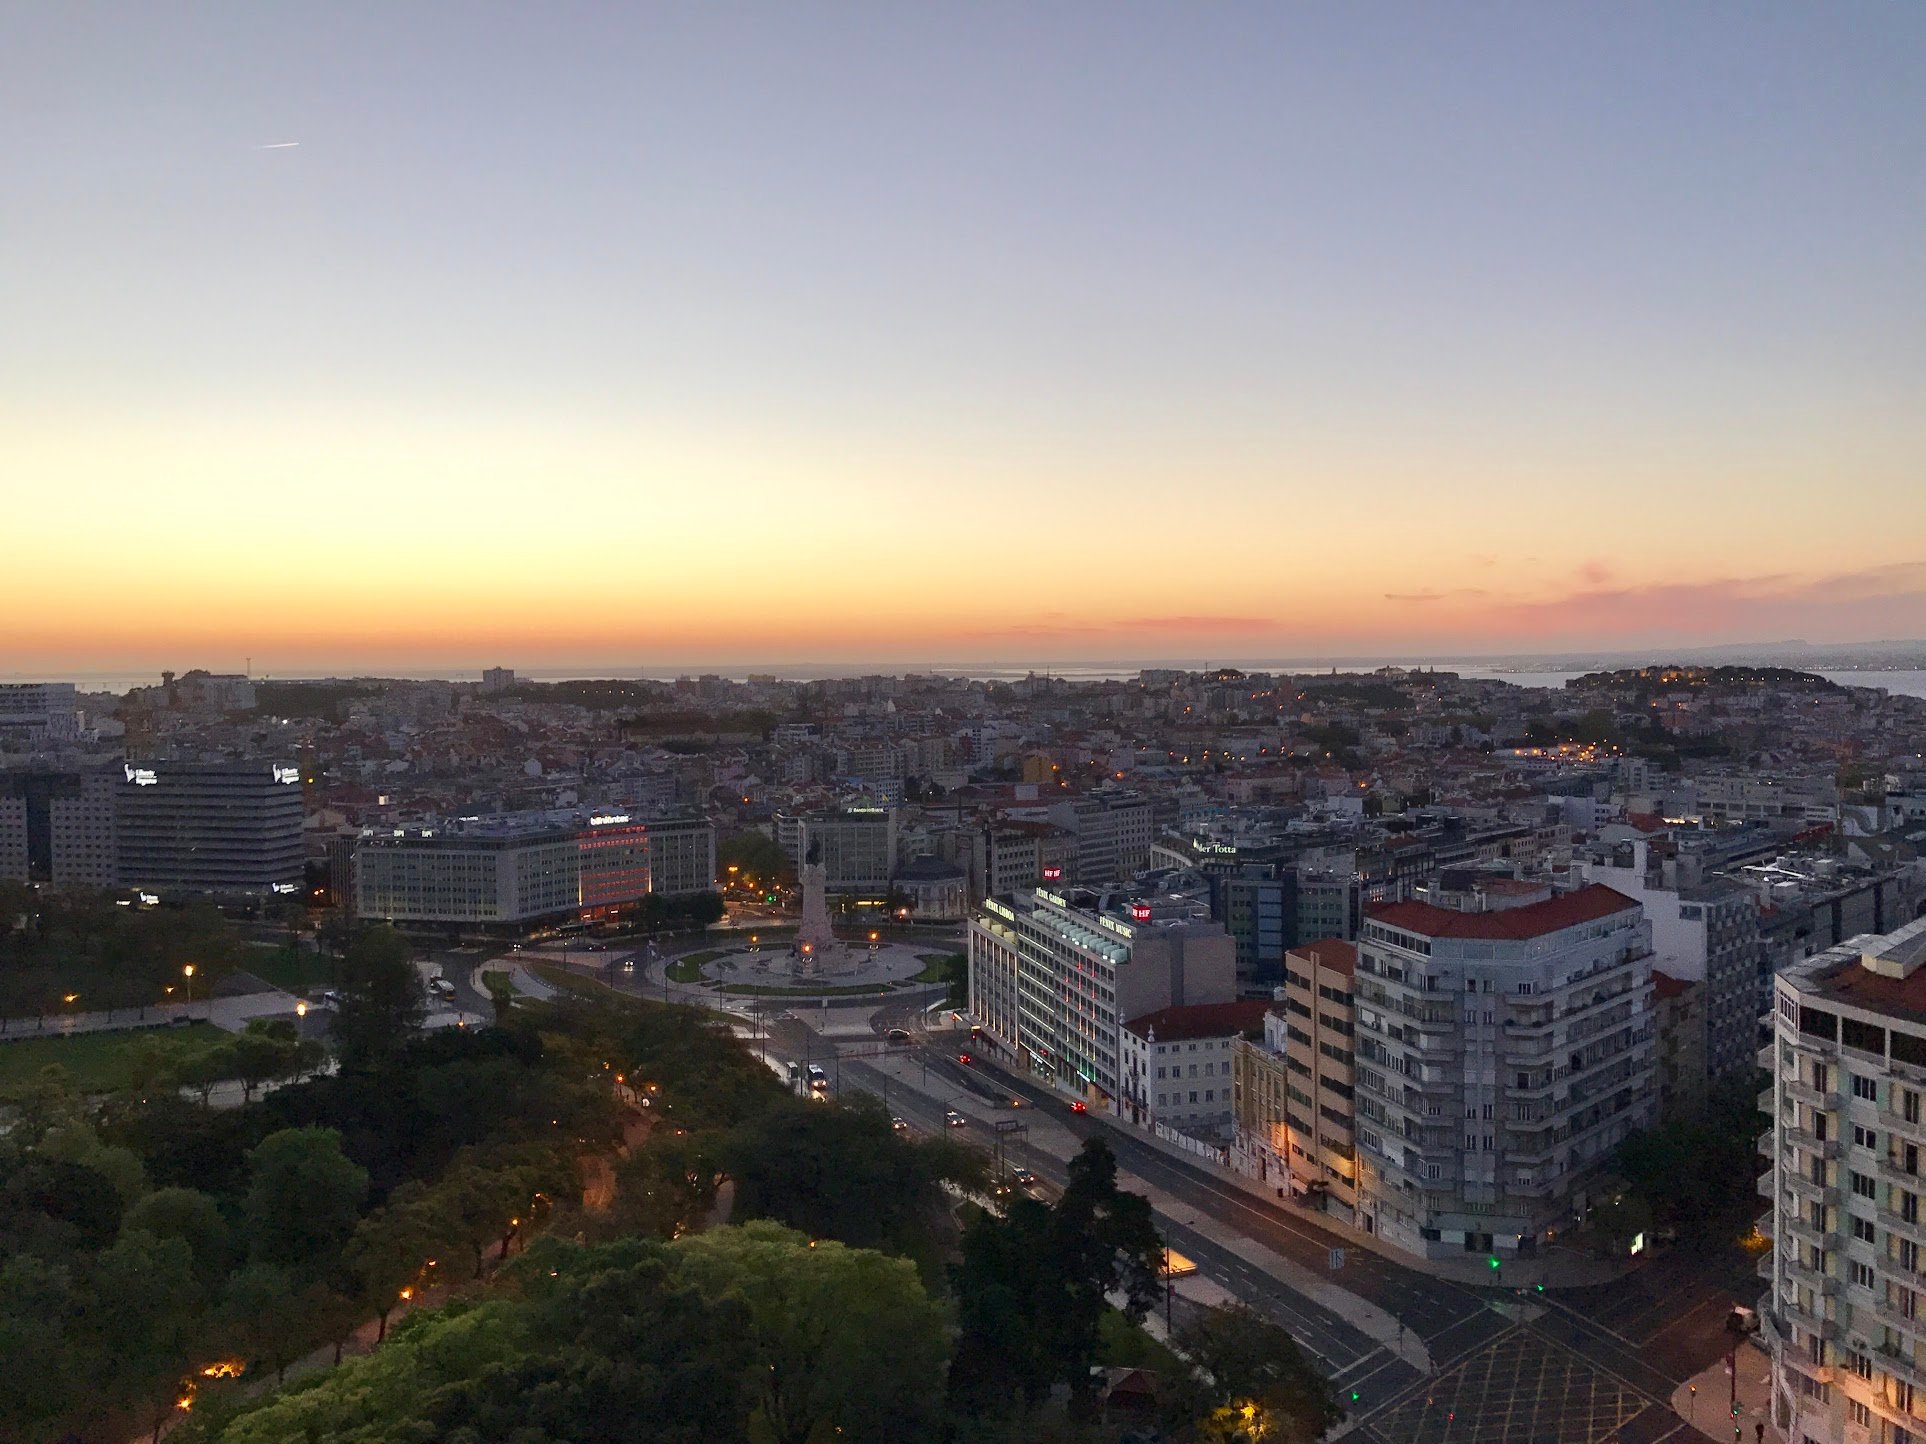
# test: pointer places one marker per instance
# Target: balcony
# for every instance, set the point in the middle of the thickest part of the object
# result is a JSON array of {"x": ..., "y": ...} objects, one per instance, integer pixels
[
  {"x": 1901, "y": 1363},
  {"x": 1811, "y": 1142},
  {"x": 1799, "y": 1186},
  {"x": 1803, "y": 1093},
  {"x": 1915, "y": 1230},
  {"x": 1818, "y": 1324},
  {"x": 1765, "y": 1184},
  {"x": 1825, "y": 1285},
  {"x": 1765, "y": 1099},
  {"x": 1894, "y": 1172},
  {"x": 1799, "y": 1229},
  {"x": 1889, "y": 1118}
]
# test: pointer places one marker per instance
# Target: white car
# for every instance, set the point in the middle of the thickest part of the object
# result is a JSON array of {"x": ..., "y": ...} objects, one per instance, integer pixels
[{"x": 955, "y": 1119}]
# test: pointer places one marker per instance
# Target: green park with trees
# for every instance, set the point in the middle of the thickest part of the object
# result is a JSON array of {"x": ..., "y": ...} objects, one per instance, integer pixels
[{"x": 597, "y": 1219}]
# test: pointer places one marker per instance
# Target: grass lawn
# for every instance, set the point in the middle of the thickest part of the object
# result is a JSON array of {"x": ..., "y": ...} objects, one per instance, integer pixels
[
  {"x": 296, "y": 970},
  {"x": 572, "y": 982},
  {"x": 762, "y": 991},
  {"x": 97, "y": 1062},
  {"x": 933, "y": 969},
  {"x": 688, "y": 967}
]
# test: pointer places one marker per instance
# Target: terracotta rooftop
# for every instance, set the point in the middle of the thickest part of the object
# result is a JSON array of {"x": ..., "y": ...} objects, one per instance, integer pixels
[
  {"x": 1332, "y": 954},
  {"x": 1533, "y": 920},
  {"x": 1201, "y": 1020},
  {"x": 1664, "y": 985}
]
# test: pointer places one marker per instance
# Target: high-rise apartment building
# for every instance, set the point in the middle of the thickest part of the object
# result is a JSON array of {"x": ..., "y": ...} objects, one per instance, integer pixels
[
  {"x": 1844, "y": 1320},
  {"x": 57, "y": 826},
  {"x": 1504, "y": 1049},
  {"x": 1055, "y": 973},
  {"x": 220, "y": 828}
]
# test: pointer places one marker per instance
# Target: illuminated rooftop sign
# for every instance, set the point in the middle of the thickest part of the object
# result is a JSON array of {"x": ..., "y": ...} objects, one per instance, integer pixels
[{"x": 139, "y": 776}]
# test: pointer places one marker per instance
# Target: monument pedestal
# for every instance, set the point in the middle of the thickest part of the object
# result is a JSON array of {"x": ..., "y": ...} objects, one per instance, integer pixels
[{"x": 815, "y": 939}]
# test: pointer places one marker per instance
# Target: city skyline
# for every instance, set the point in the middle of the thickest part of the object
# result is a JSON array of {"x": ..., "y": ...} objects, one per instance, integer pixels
[{"x": 389, "y": 339}]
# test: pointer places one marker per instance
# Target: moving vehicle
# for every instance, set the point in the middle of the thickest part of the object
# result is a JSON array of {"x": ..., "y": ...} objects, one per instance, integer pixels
[
  {"x": 441, "y": 987},
  {"x": 897, "y": 1035},
  {"x": 1077, "y": 1105},
  {"x": 955, "y": 1119},
  {"x": 1024, "y": 1178},
  {"x": 965, "y": 1059},
  {"x": 818, "y": 1080},
  {"x": 901, "y": 1125}
]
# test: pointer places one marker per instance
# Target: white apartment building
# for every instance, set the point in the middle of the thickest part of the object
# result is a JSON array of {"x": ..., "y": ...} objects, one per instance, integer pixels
[
  {"x": 1055, "y": 973},
  {"x": 1845, "y": 1320},
  {"x": 1163, "y": 1053},
  {"x": 1504, "y": 1048}
]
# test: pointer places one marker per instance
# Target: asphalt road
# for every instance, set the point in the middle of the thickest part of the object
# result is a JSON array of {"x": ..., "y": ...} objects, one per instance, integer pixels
[{"x": 1580, "y": 1366}]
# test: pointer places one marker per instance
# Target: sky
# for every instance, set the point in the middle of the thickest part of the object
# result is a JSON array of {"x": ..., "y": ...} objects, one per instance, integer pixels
[{"x": 344, "y": 336}]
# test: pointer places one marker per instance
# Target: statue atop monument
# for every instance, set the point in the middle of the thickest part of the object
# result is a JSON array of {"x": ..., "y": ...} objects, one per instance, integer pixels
[{"x": 815, "y": 938}]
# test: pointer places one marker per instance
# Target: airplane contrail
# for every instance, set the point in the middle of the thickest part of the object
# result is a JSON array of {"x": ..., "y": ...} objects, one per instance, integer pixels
[{"x": 279, "y": 145}]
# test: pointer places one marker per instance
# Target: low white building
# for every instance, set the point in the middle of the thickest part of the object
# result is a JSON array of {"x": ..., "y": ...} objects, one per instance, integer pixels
[{"x": 1178, "y": 1065}]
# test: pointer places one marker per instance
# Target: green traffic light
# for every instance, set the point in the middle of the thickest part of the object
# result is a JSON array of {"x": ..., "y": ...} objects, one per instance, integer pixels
[
  {"x": 1354, "y": 1396},
  {"x": 1494, "y": 1260},
  {"x": 1541, "y": 1288}
]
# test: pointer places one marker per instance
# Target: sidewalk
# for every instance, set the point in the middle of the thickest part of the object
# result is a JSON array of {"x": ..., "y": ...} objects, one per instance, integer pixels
[
  {"x": 1557, "y": 1268},
  {"x": 1705, "y": 1400}
]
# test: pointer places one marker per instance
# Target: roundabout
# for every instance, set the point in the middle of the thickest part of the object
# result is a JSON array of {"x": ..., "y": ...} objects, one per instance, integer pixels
[{"x": 786, "y": 967}]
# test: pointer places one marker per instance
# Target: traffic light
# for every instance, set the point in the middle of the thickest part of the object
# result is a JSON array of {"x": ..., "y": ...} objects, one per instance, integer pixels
[
  {"x": 1355, "y": 1396},
  {"x": 1541, "y": 1288},
  {"x": 1493, "y": 1261}
]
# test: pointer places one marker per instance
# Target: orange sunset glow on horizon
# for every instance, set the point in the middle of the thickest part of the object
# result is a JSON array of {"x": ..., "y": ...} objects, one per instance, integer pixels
[{"x": 790, "y": 342}]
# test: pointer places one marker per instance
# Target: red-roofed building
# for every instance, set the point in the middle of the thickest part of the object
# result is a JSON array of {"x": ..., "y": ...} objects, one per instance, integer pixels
[
  {"x": 1176, "y": 1065},
  {"x": 1504, "y": 1048}
]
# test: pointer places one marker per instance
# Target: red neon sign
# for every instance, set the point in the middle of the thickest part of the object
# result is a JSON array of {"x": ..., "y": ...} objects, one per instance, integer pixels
[
  {"x": 1140, "y": 912},
  {"x": 1052, "y": 874}
]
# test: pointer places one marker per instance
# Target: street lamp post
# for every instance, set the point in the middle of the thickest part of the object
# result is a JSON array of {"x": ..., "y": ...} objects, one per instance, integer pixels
[{"x": 188, "y": 973}]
